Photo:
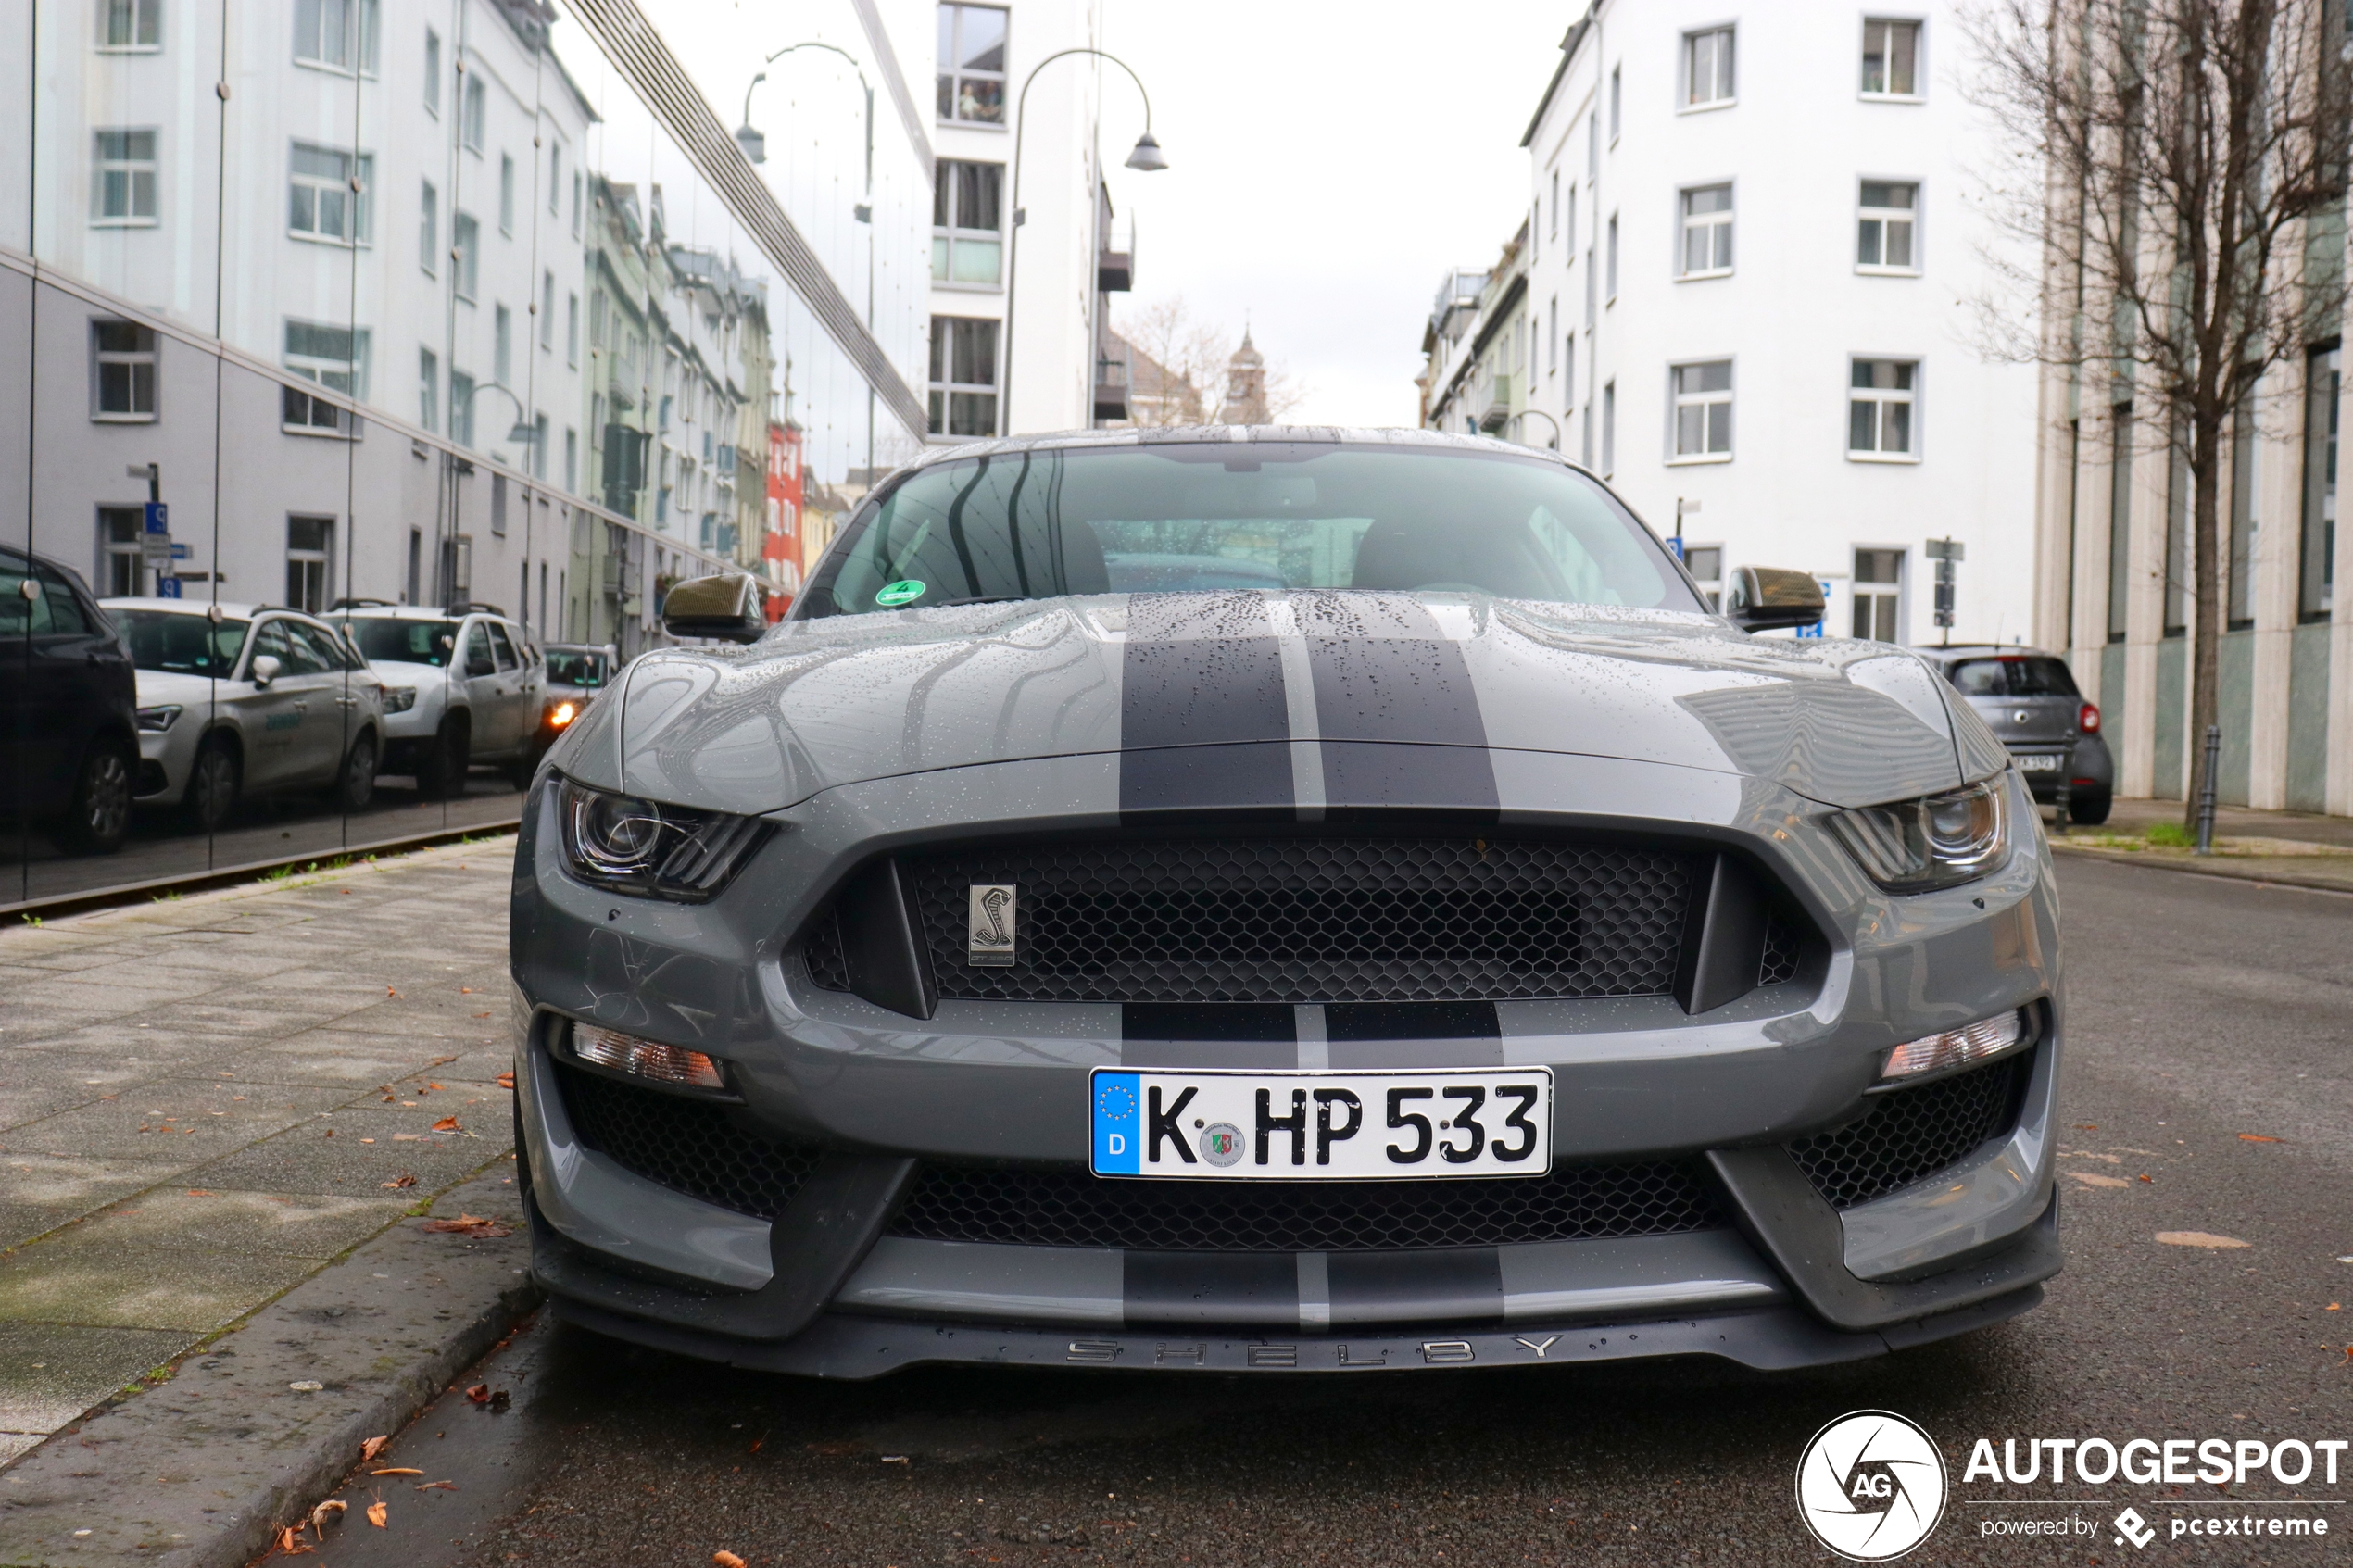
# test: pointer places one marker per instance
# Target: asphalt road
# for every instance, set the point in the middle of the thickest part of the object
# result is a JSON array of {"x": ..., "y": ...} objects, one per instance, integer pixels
[{"x": 2203, "y": 1010}]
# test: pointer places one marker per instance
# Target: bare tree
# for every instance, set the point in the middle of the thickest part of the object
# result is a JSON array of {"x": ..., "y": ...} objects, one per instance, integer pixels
[
  {"x": 1184, "y": 381},
  {"x": 2185, "y": 146}
]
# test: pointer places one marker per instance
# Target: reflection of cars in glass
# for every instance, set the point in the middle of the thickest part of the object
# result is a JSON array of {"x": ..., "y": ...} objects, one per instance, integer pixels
[
  {"x": 2030, "y": 701},
  {"x": 66, "y": 703},
  {"x": 478, "y": 680},
  {"x": 1471, "y": 951},
  {"x": 238, "y": 700},
  {"x": 577, "y": 675}
]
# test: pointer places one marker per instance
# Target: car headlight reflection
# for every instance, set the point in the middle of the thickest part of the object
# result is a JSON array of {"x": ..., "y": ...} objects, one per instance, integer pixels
[
  {"x": 155, "y": 721},
  {"x": 640, "y": 847},
  {"x": 1936, "y": 841},
  {"x": 561, "y": 714},
  {"x": 399, "y": 699}
]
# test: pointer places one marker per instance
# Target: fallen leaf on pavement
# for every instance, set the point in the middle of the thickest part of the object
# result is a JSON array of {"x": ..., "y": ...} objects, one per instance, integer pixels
[
  {"x": 432, "y": 1085},
  {"x": 318, "y": 1514},
  {"x": 2199, "y": 1238},
  {"x": 2091, "y": 1180},
  {"x": 438, "y": 1486},
  {"x": 199, "y": 1192},
  {"x": 479, "y": 1393},
  {"x": 2087, "y": 1126},
  {"x": 2258, "y": 1137},
  {"x": 727, "y": 1559},
  {"x": 467, "y": 1224},
  {"x": 481, "y": 1015},
  {"x": 406, "y": 1179},
  {"x": 407, "y": 1137},
  {"x": 396, "y": 1470},
  {"x": 390, "y": 992},
  {"x": 465, "y": 990},
  {"x": 376, "y": 1515},
  {"x": 2147, "y": 1177},
  {"x": 507, "y": 1080},
  {"x": 289, "y": 1542},
  {"x": 447, "y": 1125},
  {"x": 2333, "y": 1306},
  {"x": 373, "y": 1445}
]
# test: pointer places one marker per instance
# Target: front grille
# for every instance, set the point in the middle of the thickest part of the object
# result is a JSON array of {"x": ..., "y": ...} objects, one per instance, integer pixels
[
  {"x": 1074, "y": 1209},
  {"x": 1783, "y": 948},
  {"x": 1912, "y": 1134},
  {"x": 689, "y": 1146},
  {"x": 1315, "y": 920}
]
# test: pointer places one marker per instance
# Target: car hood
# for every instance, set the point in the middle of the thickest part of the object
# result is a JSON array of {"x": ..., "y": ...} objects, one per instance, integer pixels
[
  {"x": 400, "y": 673},
  {"x": 157, "y": 687},
  {"x": 822, "y": 703}
]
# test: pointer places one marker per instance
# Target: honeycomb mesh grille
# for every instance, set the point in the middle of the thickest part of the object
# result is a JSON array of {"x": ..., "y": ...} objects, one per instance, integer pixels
[
  {"x": 1074, "y": 1209},
  {"x": 1783, "y": 948},
  {"x": 687, "y": 1145},
  {"x": 1326, "y": 919},
  {"x": 1912, "y": 1134}
]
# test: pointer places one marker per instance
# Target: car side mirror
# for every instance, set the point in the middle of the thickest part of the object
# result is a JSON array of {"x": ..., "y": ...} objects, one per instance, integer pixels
[
  {"x": 725, "y": 606},
  {"x": 1762, "y": 598},
  {"x": 265, "y": 670}
]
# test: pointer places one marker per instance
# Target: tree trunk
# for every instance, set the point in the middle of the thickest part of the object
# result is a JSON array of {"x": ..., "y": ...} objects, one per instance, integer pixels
[{"x": 2205, "y": 613}]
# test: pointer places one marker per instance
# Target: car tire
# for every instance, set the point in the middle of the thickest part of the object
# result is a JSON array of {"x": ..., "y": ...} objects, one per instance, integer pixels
[
  {"x": 2089, "y": 809},
  {"x": 213, "y": 783},
  {"x": 98, "y": 816},
  {"x": 441, "y": 762},
  {"x": 356, "y": 785}
]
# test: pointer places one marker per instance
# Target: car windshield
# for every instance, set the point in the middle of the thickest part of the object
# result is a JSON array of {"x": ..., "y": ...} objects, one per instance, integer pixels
[
  {"x": 174, "y": 643},
  {"x": 1271, "y": 517},
  {"x": 402, "y": 641},
  {"x": 2030, "y": 675},
  {"x": 567, "y": 668}
]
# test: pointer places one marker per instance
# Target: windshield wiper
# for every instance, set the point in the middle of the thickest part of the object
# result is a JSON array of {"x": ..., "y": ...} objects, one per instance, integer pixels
[{"x": 977, "y": 599}]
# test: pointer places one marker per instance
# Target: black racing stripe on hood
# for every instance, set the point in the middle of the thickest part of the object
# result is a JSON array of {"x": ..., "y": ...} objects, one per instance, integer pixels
[
  {"x": 1395, "y": 705},
  {"x": 1203, "y": 724}
]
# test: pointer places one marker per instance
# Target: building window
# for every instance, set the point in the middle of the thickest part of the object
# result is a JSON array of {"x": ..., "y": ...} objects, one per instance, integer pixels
[
  {"x": 1878, "y": 409},
  {"x": 122, "y": 379},
  {"x": 2240, "y": 614},
  {"x": 2177, "y": 535},
  {"x": 1879, "y": 594},
  {"x": 1593, "y": 147},
  {"x": 121, "y": 564},
  {"x": 576, "y": 203},
  {"x": 462, "y": 408},
  {"x": 1556, "y": 208},
  {"x": 539, "y": 448},
  {"x": 1707, "y": 232},
  {"x": 971, "y": 61},
  {"x": 547, "y": 309},
  {"x": 328, "y": 196},
  {"x": 1552, "y": 336},
  {"x": 1616, "y": 102},
  {"x": 336, "y": 35},
  {"x": 2316, "y": 577},
  {"x": 432, "y": 73},
  {"x": 1705, "y": 564},
  {"x": 967, "y": 222},
  {"x": 309, "y": 550},
  {"x": 1708, "y": 67},
  {"x": 428, "y": 389},
  {"x": 502, "y": 345},
  {"x": 554, "y": 180},
  {"x": 428, "y": 230},
  {"x": 2119, "y": 520},
  {"x": 1572, "y": 220},
  {"x": 963, "y": 375},
  {"x": 572, "y": 329},
  {"x": 572, "y": 460},
  {"x": 465, "y": 245},
  {"x": 1568, "y": 374},
  {"x": 1609, "y": 429},
  {"x": 1610, "y": 285},
  {"x": 131, "y": 25},
  {"x": 122, "y": 179},
  {"x": 1883, "y": 232},
  {"x": 474, "y": 124},
  {"x": 332, "y": 357},
  {"x": 506, "y": 195},
  {"x": 1703, "y": 410},
  {"x": 1891, "y": 59}
]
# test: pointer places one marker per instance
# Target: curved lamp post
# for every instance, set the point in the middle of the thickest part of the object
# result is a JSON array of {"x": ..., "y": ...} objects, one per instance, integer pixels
[
  {"x": 1146, "y": 156},
  {"x": 1548, "y": 419}
]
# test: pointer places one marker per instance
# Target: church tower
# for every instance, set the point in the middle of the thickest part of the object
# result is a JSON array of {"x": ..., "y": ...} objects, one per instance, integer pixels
[{"x": 1245, "y": 386}]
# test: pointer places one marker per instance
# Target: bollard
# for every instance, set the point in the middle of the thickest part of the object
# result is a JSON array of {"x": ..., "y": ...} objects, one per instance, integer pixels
[{"x": 2205, "y": 790}]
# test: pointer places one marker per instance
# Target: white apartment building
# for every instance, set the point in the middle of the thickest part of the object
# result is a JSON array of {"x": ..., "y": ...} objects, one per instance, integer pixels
[{"x": 1742, "y": 295}]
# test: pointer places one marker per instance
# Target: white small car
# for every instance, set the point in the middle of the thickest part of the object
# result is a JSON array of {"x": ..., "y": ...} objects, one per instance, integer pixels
[
  {"x": 480, "y": 682},
  {"x": 238, "y": 700}
]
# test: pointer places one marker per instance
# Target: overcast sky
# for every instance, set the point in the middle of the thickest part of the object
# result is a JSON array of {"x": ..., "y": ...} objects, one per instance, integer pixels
[{"x": 1328, "y": 163}]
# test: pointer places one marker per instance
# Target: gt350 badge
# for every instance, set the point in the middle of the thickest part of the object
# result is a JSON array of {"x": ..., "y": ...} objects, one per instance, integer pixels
[{"x": 990, "y": 924}]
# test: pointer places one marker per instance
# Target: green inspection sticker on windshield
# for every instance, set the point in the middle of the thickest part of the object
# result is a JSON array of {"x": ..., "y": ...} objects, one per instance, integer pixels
[{"x": 905, "y": 592}]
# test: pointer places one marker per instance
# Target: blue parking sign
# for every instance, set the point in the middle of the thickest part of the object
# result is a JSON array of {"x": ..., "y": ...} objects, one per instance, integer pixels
[
  {"x": 167, "y": 587},
  {"x": 158, "y": 517}
]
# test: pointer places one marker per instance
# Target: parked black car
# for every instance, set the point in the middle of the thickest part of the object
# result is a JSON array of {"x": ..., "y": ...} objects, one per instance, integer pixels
[
  {"x": 2030, "y": 701},
  {"x": 67, "y": 703}
]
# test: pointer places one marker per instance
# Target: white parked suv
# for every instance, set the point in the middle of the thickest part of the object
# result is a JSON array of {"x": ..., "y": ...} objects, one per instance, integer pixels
[
  {"x": 480, "y": 685},
  {"x": 247, "y": 699}
]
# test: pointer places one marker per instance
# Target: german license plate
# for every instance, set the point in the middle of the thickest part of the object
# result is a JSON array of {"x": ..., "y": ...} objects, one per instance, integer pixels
[
  {"x": 2043, "y": 762},
  {"x": 1320, "y": 1126}
]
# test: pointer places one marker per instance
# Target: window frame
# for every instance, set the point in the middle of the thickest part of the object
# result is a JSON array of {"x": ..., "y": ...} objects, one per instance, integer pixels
[
  {"x": 149, "y": 11},
  {"x": 1898, "y": 592},
  {"x": 121, "y": 553},
  {"x": 1724, "y": 219},
  {"x": 360, "y": 170},
  {"x": 1677, "y": 400},
  {"x": 1918, "y": 25},
  {"x": 307, "y": 558},
  {"x": 429, "y": 229},
  {"x": 342, "y": 423},
  {"x": 150, "y": 355},
  {"x": 506, "y": 195},
  {"x": 363, "y": 38},
  {"x": 951, "y": 73},
  {"x": 1884, "y": 216},
  {"x": 941, "y": 387},
  {"x": 474, "y": 112},
  {"x": 465, "y": 260},
  {"x": 2318, "y": 488},
  {"x": 133, "y": 170},
  {"x": 1609, "y": 280},
  {"x": 1881, "y": 398},
  {"x": 947, "y": 189},
  {"x": 432, "y": 73},
  {"x": 1685, "y": 56},
  {"x": 428, "y": 389},
  {"x": 1711, "y": 589}
]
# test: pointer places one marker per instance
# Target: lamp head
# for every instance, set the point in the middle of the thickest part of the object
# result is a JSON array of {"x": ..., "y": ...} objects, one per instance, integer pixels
[
  {"x": 753, "y": 143},
  {"x": 1147, "y": 155}
]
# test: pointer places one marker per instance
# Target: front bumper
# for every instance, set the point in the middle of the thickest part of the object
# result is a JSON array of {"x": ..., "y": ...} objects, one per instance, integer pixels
[{"x": 1777, "y": 1277}]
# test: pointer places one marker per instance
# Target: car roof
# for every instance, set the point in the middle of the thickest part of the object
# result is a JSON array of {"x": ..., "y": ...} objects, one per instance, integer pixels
[
  {"x": 404, "y": 613},
  {"x": 576, "y": 648},
  {"x": 201, "y": 607},
  {"x": 1955, "y": 652},
  {"x": 1195, "y": 435}
]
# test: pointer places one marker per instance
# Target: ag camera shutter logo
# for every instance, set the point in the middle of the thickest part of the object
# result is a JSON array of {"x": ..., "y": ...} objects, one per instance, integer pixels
[{"x": 1870, "y": 1485}]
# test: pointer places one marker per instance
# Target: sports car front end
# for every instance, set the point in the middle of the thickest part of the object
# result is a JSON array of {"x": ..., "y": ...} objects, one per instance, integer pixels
[{"x": 1444, "y": 959}]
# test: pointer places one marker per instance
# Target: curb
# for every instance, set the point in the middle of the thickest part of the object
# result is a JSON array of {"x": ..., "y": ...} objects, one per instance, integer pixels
[
  {"x": 2262, "y": 878},
  {"x": 200, "y": 1472}
]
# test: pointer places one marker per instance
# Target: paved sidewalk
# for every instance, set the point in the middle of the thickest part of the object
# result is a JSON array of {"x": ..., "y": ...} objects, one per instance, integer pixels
[
  {"x": 206, "y": 1101},
  {"x": 2290, "y": 849}
]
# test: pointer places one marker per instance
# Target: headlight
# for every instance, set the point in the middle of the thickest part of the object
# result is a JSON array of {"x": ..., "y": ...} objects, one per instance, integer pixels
[
  {"x": 1956, "y": 1048},
  {"x": 663, "y": 1064},
  {"x": 655, "y": 851},
  {"x": 399, "y": 699},
  {"x": 561, "y": 714},
  {"x": 155, "y": 721},
  {"x": 1937, "y": 841}
]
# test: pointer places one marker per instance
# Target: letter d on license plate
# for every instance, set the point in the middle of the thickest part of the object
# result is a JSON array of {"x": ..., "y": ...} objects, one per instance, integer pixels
[{"x": 1320, "y": 1126}]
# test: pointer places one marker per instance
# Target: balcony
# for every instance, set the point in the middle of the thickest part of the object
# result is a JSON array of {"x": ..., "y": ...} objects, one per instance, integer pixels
[
  {"x": 1114, "y": 271},
  {"x": 1111, "y": 389},
  {"x": 1495, "y": 404}
]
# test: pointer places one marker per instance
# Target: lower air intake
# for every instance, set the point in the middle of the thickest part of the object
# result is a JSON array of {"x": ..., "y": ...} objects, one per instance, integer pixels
[
  {"x": 688, "y": 1145},
  {"x": 1911, "y": 1135}
]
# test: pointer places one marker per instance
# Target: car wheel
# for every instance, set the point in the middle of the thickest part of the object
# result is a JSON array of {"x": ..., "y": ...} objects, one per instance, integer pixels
[
  {"x": 441, "y": 763},
  {"x": 2089, "y": 809},
  {"x": 356, "y": 784},
  {"x": 212, "y": 785},
  {"x": 99, "y": 817}
]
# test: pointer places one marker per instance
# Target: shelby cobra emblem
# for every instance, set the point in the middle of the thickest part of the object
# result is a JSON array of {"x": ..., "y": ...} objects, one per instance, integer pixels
[{"x": 990, "y": 924}]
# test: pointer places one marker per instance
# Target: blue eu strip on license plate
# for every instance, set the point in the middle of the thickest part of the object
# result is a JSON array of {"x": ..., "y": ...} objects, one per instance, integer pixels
[{"x": 1220, "y": 1125}]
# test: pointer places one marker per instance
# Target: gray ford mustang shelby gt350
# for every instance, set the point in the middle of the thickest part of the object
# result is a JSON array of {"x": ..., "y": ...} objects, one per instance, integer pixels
[{"x": 1279, "y": 899}]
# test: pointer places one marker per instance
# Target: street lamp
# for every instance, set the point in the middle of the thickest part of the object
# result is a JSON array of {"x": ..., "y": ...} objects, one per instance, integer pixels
[
  {"x": 524, "y": 434},
  {"x": 1548, "y": 419},
  {"x": 1146, "y": 158}
]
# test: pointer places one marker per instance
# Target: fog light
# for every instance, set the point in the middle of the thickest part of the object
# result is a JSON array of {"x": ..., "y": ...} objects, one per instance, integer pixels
[
  {"x": 626, "y": 1053},
  {"x": 1956, "y": 1048}
]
